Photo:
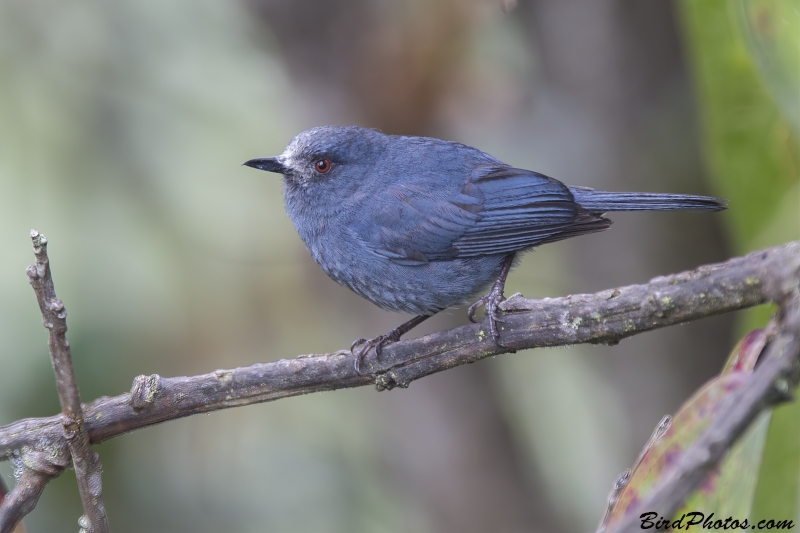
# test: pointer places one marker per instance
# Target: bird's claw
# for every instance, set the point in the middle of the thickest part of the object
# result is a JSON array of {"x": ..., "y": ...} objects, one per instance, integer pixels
[
  {"x": 491, "y": 306},
  {"x": 367, "y": 344},
  {"x": 361, "y": 347},
  {"x": 360, "y": 340}
]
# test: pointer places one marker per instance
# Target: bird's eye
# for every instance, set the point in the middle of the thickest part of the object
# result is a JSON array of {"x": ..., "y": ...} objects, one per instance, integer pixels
[{"x": 322, "y": 166}]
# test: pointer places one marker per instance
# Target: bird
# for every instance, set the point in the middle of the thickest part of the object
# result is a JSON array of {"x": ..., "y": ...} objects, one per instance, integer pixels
[{"x": 419, "y": 224}]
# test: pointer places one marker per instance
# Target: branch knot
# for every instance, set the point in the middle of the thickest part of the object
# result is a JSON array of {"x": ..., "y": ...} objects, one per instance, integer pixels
[
  {"x": 39, "y": 241},
  {"x": 49, "y": 462},
  {"x": 144, "y": 391}
]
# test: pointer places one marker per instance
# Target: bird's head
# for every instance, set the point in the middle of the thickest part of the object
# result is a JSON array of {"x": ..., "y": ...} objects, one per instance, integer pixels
[{"x": 323, "y": 154}]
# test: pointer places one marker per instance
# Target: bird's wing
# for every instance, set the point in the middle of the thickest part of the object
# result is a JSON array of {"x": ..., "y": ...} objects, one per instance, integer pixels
[
  {"x": 499, "y": 210},
  {"x": 416, "y": 222},
  {"x": 522, "y": 209}
]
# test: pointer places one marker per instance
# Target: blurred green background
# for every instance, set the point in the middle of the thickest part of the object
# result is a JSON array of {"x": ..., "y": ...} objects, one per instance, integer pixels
[{"x": 122, "y": 129}]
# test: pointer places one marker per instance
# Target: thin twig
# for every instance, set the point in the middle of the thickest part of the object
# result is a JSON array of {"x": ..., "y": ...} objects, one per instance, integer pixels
[
  {"x": 604, "y": 317},
  {"x": 54, "y": 316},
  {"x": 771, "y": 383}
]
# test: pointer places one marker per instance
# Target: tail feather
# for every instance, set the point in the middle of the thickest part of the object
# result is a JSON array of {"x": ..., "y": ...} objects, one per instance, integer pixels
[{"x": 602, "y": 201}]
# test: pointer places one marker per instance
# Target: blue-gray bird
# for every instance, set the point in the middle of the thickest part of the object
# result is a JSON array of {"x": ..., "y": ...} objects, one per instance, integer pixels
[{"x": 417, "y": 224}]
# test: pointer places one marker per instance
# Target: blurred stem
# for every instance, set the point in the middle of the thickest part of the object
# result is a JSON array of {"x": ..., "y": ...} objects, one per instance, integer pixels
[
  {"x": 54, "y": 316},
  {"x": 771, "y": 383}
]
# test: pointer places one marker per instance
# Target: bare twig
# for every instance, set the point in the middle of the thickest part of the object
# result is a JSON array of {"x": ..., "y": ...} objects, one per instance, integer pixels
[
  {"x": 771, "y": 383},
  {"x": 604, "y": 317},
  {"x": 54, "y": 316}
]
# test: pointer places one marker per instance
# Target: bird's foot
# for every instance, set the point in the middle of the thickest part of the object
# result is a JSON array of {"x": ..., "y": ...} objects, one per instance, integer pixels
[
  {"x": 361, "y": 347},
  {"x": 491, "y": 307}
]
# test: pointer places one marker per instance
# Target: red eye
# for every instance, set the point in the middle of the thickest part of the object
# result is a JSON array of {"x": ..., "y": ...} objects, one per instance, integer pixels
[{"x": 322, "y": 166}]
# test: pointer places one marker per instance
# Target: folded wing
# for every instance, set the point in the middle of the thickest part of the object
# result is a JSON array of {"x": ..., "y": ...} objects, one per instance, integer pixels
[{"x": 498, "y": 211}]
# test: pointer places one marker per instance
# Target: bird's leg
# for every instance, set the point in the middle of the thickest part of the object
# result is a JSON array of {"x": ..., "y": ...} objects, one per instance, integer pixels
[
  {"x": 361, "y": 347},
  {"x": 492, "y": 301}
]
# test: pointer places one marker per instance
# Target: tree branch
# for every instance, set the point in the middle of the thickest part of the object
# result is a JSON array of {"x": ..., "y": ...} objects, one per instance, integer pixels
[
  {"x": 33, "y": 471},
  {"x": 3, "y": 493},
  {"x": 22, "y": 499},
  {"x": 605, "y": 317},
  {"x": 54, "y": 316}
]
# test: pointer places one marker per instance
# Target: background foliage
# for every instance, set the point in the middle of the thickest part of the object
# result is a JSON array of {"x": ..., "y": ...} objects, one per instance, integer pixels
[
  {"x": 122, "y": 128},
  {"x": 746, "y": 57}
]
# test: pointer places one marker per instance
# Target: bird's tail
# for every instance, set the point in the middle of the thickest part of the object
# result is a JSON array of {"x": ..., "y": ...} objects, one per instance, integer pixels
[{"x": 602, "y": 201}]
